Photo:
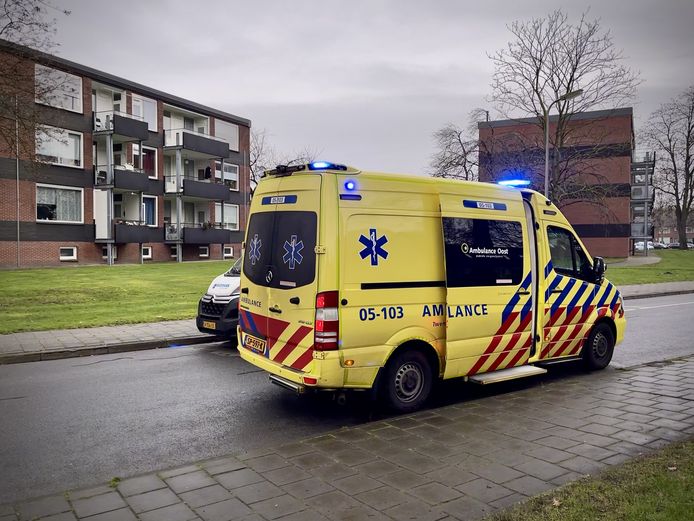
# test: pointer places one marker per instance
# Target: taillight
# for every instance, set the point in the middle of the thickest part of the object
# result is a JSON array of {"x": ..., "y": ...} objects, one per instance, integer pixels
[{"x": 327, "y": 321}]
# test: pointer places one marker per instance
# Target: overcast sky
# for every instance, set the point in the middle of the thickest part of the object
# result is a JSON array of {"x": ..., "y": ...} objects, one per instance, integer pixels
[{"x": 363, "y": 82}]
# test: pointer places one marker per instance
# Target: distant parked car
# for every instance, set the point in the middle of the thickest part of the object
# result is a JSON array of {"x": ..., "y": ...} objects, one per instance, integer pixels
[
  {"x": 673, "y": 245},
  {"x": 659, "y": 245},
  {"x": 638, "y": 246}
]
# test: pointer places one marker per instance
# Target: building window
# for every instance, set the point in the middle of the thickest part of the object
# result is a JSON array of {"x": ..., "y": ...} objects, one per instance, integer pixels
[
  {"x": 147, "y": 252},
  {"x": 204, "y": 251},
  {"x": 68, "y": 253},
  {"x": 229, "y": 177},
  {"x": 228, "y": 252},
  {"x": 149, "y": 210},
  {"x": 59, "y": 146},
  {"x": 231, "y": 216},
  {"x": 228, "y": 132},
  {"x": 59, "y": 204},
  {"x": 174, "y": 250},
  {"x": 58, "y": 89},
  {"x": 149, "y": 160},
  {"x": 666, "y": 230},
  {"x": 688, "y": 229},
  {"x": 104, "y": 252},
  {"x": 146, "y": 110}
]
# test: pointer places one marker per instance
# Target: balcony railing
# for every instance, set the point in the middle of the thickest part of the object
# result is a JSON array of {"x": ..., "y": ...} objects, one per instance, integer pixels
[
  {"x": 101, "y": 173},
  {"x": 175, "y": 136},
  {"x": 104, "y": 120},
  {"x": 193, "y": 186},
  {"x": 198, "y": 233},
  {"x": 199, "y": 142}
]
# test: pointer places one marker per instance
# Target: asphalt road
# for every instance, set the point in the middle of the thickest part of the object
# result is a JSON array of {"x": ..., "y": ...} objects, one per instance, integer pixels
[{"x": 81, "y": 421}]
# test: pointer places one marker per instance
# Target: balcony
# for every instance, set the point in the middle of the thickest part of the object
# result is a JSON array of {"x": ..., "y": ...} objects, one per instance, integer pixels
[
  {"x": 203, "y": 189},
  {"x": 127, "y": 179},
  {"x": 123, "y": 126},
  {"x": 125, "y": 231},
  {"x": 202, "y": 144},
  {"x": 198, "y": 233}
]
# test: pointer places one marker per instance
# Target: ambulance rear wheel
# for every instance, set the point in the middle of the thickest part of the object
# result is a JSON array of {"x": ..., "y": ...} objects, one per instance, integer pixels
[
  {"x": 597, "y": 352},
  {"x": 408, "y": 381}
]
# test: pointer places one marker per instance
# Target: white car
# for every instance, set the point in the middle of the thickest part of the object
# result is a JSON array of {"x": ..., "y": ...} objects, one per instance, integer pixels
[
  {"x": 638, "y": 246},
  {"x": 218, "y": 312}
]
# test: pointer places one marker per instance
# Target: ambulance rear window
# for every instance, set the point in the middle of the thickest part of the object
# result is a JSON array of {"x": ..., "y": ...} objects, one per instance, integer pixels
[
  {"x": 280, "y": 249},
  {"x": 482, "y": 252}
]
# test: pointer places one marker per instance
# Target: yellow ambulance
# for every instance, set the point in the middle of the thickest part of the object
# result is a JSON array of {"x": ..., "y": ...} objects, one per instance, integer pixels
[{"x": 365, "y": 280}]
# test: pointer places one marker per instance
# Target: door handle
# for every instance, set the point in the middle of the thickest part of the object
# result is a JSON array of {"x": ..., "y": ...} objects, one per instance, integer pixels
[
  {"x": 523, "y": 292},
  {"x": 275, "y": 309},
  {"x": 294, "y": 300},
  {"x": 244, "y": 290},
  {"x": 558, "y": 290}
]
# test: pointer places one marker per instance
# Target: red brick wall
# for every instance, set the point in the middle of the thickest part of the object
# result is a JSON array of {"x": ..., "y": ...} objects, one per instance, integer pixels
[{"x": 46, "y": 253}]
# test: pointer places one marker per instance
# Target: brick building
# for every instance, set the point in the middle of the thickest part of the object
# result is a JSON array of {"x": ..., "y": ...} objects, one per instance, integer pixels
[
  {"x": 120, "y": 172},
  {"x": 600, "y": 145}
]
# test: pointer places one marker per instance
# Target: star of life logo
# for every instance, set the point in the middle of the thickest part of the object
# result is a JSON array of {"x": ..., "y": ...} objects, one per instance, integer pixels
[
  {"x": 292, "y": 252},
  {"x": 255, "y": 246},
  {"x": 373, "y": 246}
]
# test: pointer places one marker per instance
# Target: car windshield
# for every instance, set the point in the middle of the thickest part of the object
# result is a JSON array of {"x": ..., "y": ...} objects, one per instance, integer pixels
[{"x": 235, "y": 270}]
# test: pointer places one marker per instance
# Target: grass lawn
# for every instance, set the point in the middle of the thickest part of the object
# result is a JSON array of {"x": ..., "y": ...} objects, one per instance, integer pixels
[
  {"x": 675, "y": 266},
  {"x": 87, "y": 296},
  {"x": 651, "y": 488}
]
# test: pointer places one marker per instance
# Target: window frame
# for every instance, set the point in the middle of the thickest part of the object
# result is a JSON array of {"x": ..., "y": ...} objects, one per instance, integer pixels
[
  {"x": 204, "y": 255},
  {"x": 143, "y": 101},
  {"x": 64, "y": 258},
  {"x": 221, "y": 174},
  {"x": 146, "y": 256},
  {"x": 60, "y": 187},
  {"x": 114, "y": 251},
  {"x": 229, "y": 255},
  {"x": 234, "y": 141},
  {"x": 574, "y": 245},
  {"x": 218, "y": 215},
  {"x": 156, "y": 210},
  {"x": 156, "y": 159},
  {"x": 50, "y": 135},
  {"x": 68, "y": 75}
]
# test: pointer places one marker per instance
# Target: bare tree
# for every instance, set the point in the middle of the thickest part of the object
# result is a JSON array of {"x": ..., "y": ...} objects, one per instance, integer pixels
[
  {"x": 457, "y": 149},
  {"x": 263, "y": 156},
  {"x": 548, "y": 58},
  {"x": 670, "y": 131},
  {"x": 27, "y": 29}
]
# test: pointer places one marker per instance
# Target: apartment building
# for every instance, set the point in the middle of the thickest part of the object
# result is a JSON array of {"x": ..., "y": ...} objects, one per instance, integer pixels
[
  {"x": 121, "y": 173},
  {"x": 600, "y": 148}
]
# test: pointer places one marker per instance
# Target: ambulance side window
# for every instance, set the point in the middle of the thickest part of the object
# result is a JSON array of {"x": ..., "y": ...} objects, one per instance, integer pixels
[
  {"x": 482, "y": 252},
  {"x": 568, "y": 258}
]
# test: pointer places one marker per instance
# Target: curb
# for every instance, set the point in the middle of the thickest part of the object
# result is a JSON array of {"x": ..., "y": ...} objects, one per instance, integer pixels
[
  {"x": 653, "y": 295},
  {"x": 76, "y": 352}
]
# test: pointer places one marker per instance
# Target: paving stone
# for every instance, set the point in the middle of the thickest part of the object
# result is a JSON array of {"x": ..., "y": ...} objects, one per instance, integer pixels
[
  {"x": 352, "y": 457},
  {"x": 557, "y": 442},
  {"x": 89, "y": 492},
  {"x": 549, "y": 454},
  {"x": 98, "y": 504},
  {"x": 566, "y": 478},
  {"x": 383, "y": 498},
  {"x": 415, "y": 462},
  {"x": 286, "y": 475},
  {"x": 308, "y": 488},
  {"x": 597, "y": 428},
  {"x": 222, "y": 465},
  {"x": 332, "y": 501},
  {"x": 177, "y": 512},
  {"x": 44, "y": 507},
  {"x": 305, "y": 515},
  {"x": 484, "y": 490},
  {"x": 238, "y": 478},
  {"x": 625, "y": 447},
  {"x": 541, "y": 469},
  {"x": 376, "y": 468},
  {"x": 508, "y": 501},
  {"x": 617, "y": 459},
  {"x": 638, "y": 438},
  {"x": 139, "y": 485},
  {"x": 65, "y": 516},
  {"x": 333, "y": 471},
  {"x": 467, "y": 508},
  {"x": 223, "y": 511},
  {"x": 415, "y": 512},
  {"x": 435, "y": 493},
  {"x": 496, "y": 473},
  {"x": 6, "y": 510},
  {"x": 122, "y": 514},
  {"x": 190, "y": 481},
  {"x": 451, "y": 476},
  {"x": 205, "y": 496},
  {"x": 404, "y": 479},
  {"x": 290, "y": 450},
  {"x": 355, "y": 484},
  {"x": 257, "y": 492},
  {"x": 152, "y": 500},
  {"x": 591, "y": 452},
  {"x": 265, "y": 463},
  {"x": 528, "y": 485},
  {"x": 582, "y": 465},
  {"x": 177, "y": 471},
  {"x": 311, "y": 460},
  {"x": 278, "y": 507}
]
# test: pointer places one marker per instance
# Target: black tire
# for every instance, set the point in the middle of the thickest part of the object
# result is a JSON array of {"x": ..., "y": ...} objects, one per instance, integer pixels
[
  {"x": 598, "y": 349},
  {"x": 408, "y": 381}
]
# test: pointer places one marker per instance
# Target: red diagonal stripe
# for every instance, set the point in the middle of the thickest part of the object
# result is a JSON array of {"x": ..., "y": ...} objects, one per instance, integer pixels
[
  {"x": 570, "y": 316},
  {"x": 298, "y": 335},
  {"x": 521, "y": 352},
  {"x": 303, "y": 360},
  {"x": 502, "y": 356},
  {"x": 274, "y": 330},
  {"x": 556, "y": 316}
]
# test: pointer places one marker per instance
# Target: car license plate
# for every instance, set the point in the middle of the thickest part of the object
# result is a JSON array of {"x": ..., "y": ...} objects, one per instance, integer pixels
[
  {"x": 256, "y": 345},
  {"x": 209, "y": 325}
]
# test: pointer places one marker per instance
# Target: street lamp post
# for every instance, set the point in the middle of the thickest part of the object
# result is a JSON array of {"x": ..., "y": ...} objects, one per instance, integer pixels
[{"x": 567, "y": 96}]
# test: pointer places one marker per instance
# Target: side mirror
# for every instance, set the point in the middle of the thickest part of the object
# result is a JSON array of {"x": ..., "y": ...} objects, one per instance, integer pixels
[{"x": 599, "y": 269}]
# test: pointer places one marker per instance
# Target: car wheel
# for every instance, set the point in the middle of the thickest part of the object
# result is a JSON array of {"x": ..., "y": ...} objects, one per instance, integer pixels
[
  {"x": 408, "y": 381},
  {"x": 598, "y": 349}
]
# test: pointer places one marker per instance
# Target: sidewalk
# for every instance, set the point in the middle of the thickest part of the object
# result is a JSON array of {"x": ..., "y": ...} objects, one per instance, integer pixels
[
  {"x": 460, "y": 461},
  {"x": 49, "y": 345}
]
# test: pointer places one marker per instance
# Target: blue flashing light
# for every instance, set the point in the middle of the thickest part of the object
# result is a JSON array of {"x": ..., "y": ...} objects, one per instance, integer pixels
[
  {"x": 350, "y": 185},
  {"x": 516, "y": 183},
  {"x": 325, "y": 165}
]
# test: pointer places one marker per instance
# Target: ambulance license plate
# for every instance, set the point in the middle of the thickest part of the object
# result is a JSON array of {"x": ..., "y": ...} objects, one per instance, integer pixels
[
  {"x": 256, "y": 345},
  {"x": 209, "y": 325}
]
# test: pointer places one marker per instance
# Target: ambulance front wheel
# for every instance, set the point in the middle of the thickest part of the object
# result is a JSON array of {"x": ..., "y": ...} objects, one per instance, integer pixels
[
  {"x": 597, "y": 352},
  {"x": 408, "y": 381}
]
